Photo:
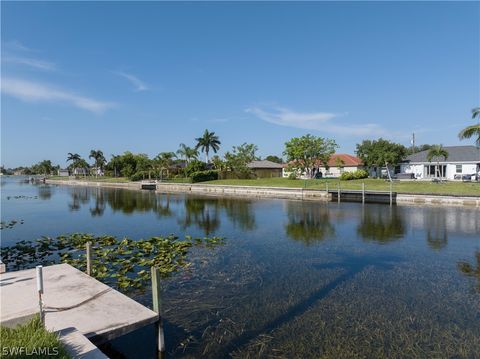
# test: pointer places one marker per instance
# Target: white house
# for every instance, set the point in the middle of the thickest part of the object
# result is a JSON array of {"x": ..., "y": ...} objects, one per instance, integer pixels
[
  {"x": 337, "y": 164},
  {"x": 462, "y": 162}
]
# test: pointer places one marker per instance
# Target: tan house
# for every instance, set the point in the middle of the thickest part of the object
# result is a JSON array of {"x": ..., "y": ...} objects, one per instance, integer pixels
[{"x": 265, "y": 169}]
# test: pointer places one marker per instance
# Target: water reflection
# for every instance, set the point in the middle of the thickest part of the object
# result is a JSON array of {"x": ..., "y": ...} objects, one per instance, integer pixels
[
  {"x": 203, "y": 213},
  {"x": 381, "y": 224},
  {"x": 45, "y": 191},
  {"x": 308, "y": 222}
]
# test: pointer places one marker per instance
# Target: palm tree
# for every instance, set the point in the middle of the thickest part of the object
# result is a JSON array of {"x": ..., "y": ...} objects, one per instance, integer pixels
[
  {"x": 437, "y": 151},
  {"x": 208, "y": 141},
  {"x": 99, "y": 160},
  {"x": 164, "y": 160},
  {"x": 473, "y": 130},
  {"x": 188, "y": 153},
  {"x": 74, "y": 157}
]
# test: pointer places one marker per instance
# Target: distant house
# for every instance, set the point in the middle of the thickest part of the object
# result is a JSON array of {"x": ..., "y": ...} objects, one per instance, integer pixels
[
  {"x": 463, "y": 162},
  {"x": 265, "y": 169},
  {"x": 80, "y": 171},
  {"x": 337, "y": 164},
  {"x": 63, "y": 173}
]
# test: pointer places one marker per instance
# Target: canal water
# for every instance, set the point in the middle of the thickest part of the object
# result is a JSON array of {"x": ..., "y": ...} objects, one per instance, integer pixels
[{"x": 294, "y": 279}]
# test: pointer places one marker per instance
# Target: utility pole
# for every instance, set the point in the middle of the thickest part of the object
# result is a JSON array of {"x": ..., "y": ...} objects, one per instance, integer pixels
[{"x": 413, "y": 142}]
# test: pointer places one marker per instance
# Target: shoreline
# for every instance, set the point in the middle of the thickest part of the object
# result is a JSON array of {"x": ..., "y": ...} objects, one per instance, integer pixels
[{"x": 273, "y": 192}]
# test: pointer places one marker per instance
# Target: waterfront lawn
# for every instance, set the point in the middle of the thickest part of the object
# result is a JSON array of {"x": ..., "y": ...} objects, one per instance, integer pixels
[
  {"x": 92, "y": 179},
  {"x": 372, "y": 184},
  {"x": 31, "y": 340}
]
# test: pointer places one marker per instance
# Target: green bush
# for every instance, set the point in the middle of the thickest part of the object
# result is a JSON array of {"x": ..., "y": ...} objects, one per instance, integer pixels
[
  {"x": 194, "y": 166},
  {"x": 34, "y": 339},
  {"x": 292, "y": 176},
  {"x": 138, "y": 176},
  {"x": 358, "y": 174},
  {"x": 202, "y": 176}
]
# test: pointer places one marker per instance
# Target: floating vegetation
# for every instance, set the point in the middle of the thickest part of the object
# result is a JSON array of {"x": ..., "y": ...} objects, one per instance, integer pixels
[
  {"x": 21, "y": 197},
  {"x": 472, "y": 270},
  {"x": 121, "y": 263},
  {"x": 10, "y": 224}
]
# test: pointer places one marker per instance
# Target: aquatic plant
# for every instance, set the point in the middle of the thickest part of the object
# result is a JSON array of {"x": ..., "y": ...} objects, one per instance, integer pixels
[
  {"x": 121, "y": 263},
  {"x": 471, "y": 270},
  {"x": 10, "y": 224}
]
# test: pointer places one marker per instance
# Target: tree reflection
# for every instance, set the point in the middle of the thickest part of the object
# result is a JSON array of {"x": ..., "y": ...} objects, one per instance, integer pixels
[
  {"x": 437, "y": 235},
  {"x": 472, "y": 270},
  {"x": 239, "y": 212},
  {"x": 44, "y": 191},
  {"x": 381, "y": 224},
  {"x": 201, "y": 212},
  {"x": 308, "y": 222}
]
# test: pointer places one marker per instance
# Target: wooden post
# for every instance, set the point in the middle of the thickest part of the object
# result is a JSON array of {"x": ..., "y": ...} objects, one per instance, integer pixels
[
  {"x": 89, "y": 258},
  {"x": 391, "y": 196},
  {"x": 338, "y": 195},
  {"x": 156, "y": 299},
  {"x": 363, "y": 192},
  {"x": 3, "y": 268},
  {"x": 40, "y": 292},
  {"x": 326, "y": 187}
]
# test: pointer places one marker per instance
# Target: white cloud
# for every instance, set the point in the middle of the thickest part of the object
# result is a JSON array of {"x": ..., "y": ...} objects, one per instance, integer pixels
[
  {"x": 320, "y": 121},
  {"x": 31, "y": 62},
  {"x": 38, "y": 92},
  {"x": 138, "y": 84}
]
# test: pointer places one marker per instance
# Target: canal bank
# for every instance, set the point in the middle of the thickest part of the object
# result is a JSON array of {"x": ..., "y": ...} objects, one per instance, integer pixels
[{"x": 276, "y": 192}]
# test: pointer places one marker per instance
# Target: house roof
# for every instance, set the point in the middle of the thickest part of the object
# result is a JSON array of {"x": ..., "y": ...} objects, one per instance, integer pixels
[
  {"x": 455, "y": 154},
  {"x": 264, "y": 164},
  {"x": 348, "y": 160}
]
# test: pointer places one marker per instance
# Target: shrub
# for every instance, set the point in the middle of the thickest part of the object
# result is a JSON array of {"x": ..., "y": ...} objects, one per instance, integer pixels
[
  {"x": 358, "y": 174},
  {"x": 202, "y": 176},
  {"x": 32, "y": 336},
  {"x": 138, "y": 176},
  {"x": 292, "y": 176},
  {"x": 194, "y": 166}
]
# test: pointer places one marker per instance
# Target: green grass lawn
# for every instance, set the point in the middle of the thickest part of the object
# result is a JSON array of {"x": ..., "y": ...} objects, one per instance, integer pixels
[
  {"x": 458, "y": 188},
  {"x": 91, "y": 179},
  {"x": 33, "y": 340}
]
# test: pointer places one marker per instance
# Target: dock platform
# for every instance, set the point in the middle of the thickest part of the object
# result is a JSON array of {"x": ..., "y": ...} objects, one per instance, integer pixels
[
  {"x": 72, "y": 299},
  {"x": 363, "y": 196}
]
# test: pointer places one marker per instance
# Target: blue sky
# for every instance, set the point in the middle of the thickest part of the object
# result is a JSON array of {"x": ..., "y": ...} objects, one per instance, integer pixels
[{"x": 147, "y": 76}]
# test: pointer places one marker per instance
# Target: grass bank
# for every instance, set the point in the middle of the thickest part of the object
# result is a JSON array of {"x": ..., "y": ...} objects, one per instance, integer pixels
[
  {"x": 31, "y": 340},
  {"x": 418, "y": 187},
  {"x": 92, "y": 179}
]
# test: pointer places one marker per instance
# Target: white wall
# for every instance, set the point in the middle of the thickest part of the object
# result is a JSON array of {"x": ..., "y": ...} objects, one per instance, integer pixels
[{"x": 418, "y": 169}]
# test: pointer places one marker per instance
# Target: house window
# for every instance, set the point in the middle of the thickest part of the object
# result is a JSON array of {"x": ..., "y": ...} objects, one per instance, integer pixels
[{"x": 459, "y": 169}]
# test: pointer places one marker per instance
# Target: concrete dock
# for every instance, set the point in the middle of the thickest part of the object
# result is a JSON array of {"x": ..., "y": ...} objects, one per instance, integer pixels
[{"x": 74, "y": 303}]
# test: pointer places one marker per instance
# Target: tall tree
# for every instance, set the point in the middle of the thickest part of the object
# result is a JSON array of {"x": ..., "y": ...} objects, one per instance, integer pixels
[
  {"x": 380, "y": 153},
  {"x": 308, "y": 153},
  {"x": 437, "y": 152},
  {"x": 273, "y": 158},
  {"x": 208, "y": 141},
  {"x": 74, "y": 158},
  {"x": 187, "y": 153},
  {"x": 473, "y": 130},
  {"x": 240, "y": 156},
  {"x": 99, "y": 159}
]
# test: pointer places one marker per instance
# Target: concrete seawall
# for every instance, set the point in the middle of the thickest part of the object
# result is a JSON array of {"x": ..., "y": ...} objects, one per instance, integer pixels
[{"x": 275, "y": 192}]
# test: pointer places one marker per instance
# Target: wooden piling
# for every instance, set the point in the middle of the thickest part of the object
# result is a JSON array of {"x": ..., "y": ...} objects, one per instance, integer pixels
[
  {"x": 363, "y": 192},
  {"x": 338, "y": 193},
  {"x": 391, "y": 193},
  {"x": 89, "y": 258},
  {"x": 156, "y": 308}
]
